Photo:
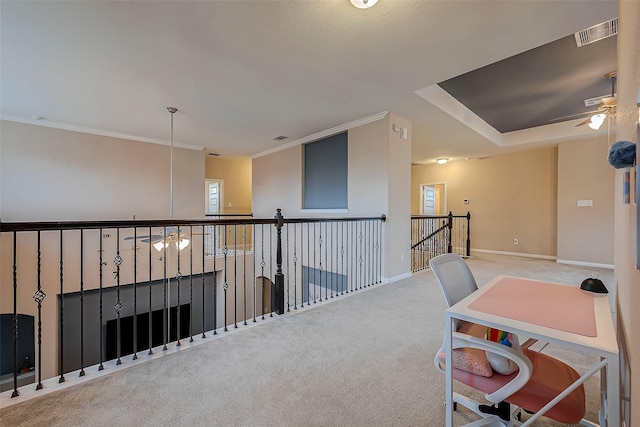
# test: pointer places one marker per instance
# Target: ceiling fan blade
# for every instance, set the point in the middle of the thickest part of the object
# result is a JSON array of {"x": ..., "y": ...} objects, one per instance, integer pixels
[
  {"x": 574, "y": 116},
  {"x": 584, "y": 122},
  {"x": 137, "y": 237}
]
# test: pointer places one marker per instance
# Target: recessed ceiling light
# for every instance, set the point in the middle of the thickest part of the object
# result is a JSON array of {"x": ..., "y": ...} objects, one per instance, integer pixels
[
  {"x": 279, "y": 138},
  {"x": 213, "y": 154},
  {"x": 35, "y": 117},
  {"x": 442, "y": 161}
]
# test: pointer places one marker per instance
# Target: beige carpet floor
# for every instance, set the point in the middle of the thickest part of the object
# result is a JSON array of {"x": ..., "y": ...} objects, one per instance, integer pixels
[{"x": 361, "y": 360}]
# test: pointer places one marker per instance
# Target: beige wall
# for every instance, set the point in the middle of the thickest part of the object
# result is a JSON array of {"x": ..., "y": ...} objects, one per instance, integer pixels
[
  {"x": 277, "y": 183},
  {"x": 236, "y": 177},
  {"x": 378, "y": 177},
  {"x": 57, "y": 175},
  {"x": 398, "y": 228},
  {"x": 585, "y": 234},
  {"x": 627, "y": 270},
  {"x": 510, "y": 196}
]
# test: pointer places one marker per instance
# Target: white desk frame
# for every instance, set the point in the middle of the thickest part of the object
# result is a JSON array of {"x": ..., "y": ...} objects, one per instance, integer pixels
[{"x": 603, "y": 345}]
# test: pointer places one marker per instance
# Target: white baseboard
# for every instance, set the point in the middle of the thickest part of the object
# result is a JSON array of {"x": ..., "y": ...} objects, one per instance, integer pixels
[
  {"x": 521, "y": 254},
  {"x": 547, "y": 257},
  {"x": 396, "y": 278},
  {"x": 585, "y": 264}
]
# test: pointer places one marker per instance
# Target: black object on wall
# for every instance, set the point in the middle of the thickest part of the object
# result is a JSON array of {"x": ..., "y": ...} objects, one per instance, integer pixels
[
  {"x": 26, "y": 346},
  {"x": 126, "y": 331},
  {"x": 91, "y": 351},
  {"x": 326, "y": 173}
]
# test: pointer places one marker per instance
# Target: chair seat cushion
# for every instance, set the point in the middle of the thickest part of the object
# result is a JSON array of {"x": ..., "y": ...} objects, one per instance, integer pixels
[{"x": 550, "y": 377}]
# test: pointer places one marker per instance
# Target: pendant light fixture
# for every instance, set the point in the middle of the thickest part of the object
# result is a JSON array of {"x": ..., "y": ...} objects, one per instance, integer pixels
[{"x": 172, "y": 237}]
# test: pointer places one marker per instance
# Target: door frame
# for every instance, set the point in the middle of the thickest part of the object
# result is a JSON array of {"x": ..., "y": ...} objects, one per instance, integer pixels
[{"x": 443, "y": 196}]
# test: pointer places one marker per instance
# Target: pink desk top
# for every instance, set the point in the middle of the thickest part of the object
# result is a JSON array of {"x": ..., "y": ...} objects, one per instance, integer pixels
[{"x": 567, "y": 308}]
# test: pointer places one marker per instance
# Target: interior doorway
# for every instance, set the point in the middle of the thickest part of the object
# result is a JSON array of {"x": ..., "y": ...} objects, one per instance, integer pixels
[{"x": 433, "y": 199}]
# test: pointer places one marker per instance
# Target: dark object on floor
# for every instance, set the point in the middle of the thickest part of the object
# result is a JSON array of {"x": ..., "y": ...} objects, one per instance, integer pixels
[{"x": 594, "y": 285}]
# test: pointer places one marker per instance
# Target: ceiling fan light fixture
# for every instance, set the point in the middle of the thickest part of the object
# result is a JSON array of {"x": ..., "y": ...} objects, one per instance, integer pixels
[
  {"x": 363, "y": 4},
  {"x": 160, "y": 245},
  {"x": 596, "y": 121},
  {"x": 183, "y": 243}
]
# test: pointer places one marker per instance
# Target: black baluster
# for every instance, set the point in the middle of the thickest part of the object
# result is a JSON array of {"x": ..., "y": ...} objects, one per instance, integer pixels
[
  {"x": 370, "y": 253},
  {"x": 202, "y": 275},
  {"x": 361, "y": 259},
  {"x": 165, "y": 285},
  {"x": 288, "y": 273},
  {"x": 235, "y": 276},
  {"x": 61, "y": 354},
  {"x": 244, "y": 273},
  {"x": 81, "y": 303},
  {"x": 135, "y": 295},
  {"x": 380, "y": 249},
  {"x": 102, "y": 263},
  {"x": 255, "y": 292},
  {"x": 262, "y": 264},
  {"x": 343, "y": 283},
  {"x": 191, "y": 283},
  {"x": 272, "y": 287},
  {"x": 178, "y": 280},
  {"x": 118, "y": 307},
  {"x": 315, "y": 263},
  {"x": 225, "y": 286},
  {"x": 15, "y": 393},
  {"x": 215, "y": 281},
  {"x": 150, "y": 300},
  {"x": 308, "y": 263},
  {"x": 321, "y": 267},
  {"x": 39, "y": 297},
  {"x": 295, "y": 267},
  {"x": 332, "y": 267},
  {"x": 302, "y": 269}
]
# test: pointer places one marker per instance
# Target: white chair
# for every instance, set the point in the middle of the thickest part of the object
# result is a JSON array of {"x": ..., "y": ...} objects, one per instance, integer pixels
[{"x": 538, "y": 381}]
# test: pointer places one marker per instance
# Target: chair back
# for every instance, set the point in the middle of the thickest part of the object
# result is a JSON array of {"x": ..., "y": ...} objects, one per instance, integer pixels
[{"x": 454, "y": 276}]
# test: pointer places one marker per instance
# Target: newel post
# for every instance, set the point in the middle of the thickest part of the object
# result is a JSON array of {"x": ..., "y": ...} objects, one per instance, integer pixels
[{"x": 279, "y": 282}]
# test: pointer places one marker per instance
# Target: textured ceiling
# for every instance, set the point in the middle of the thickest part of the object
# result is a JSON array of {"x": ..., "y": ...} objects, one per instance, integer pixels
[{"x": 244, "y": 72}]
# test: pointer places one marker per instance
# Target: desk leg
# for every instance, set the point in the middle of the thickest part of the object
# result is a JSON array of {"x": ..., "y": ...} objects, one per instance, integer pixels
[
  {"x": 613, "y": 390},
  {"x": 449, "y": 376}
]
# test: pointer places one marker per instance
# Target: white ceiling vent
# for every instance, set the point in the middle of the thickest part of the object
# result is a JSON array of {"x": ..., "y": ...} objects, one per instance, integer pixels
[{"x": 597, "y": 32}]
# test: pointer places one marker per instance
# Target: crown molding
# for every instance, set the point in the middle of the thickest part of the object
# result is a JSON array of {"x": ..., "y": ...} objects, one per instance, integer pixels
[
  {"x": 93, "y": 131},
  {"x": 325, "y": 133}
]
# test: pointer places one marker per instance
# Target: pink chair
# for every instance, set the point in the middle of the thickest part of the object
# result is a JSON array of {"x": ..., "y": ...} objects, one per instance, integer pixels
[{"x": 539, "y": 379}]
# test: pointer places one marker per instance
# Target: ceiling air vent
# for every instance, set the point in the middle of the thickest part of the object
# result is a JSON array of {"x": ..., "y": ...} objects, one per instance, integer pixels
[{"x": 597, "y": 32}]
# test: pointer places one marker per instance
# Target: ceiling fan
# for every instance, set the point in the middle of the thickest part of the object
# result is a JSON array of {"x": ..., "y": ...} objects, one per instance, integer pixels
[
  {"x": 166, "y": 237},
  {"x": 606, "y": 108}
]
